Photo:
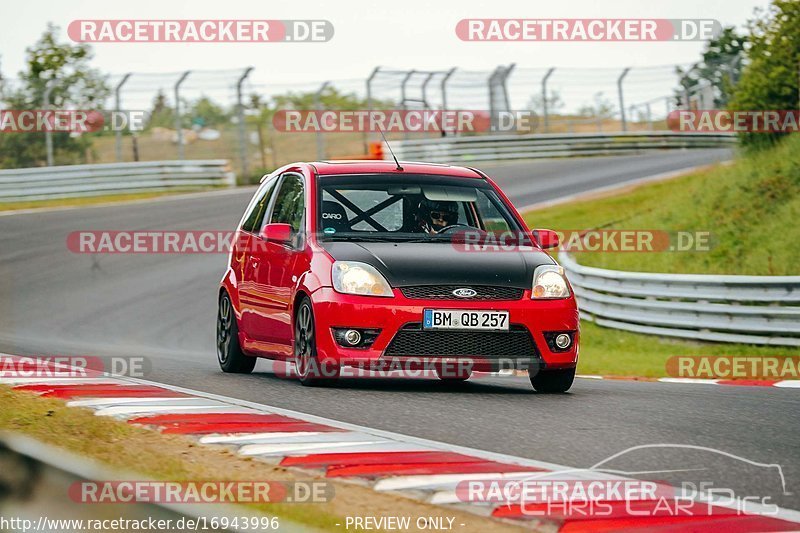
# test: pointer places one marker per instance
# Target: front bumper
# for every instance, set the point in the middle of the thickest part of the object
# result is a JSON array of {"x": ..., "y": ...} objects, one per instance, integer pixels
[{"x": 390, "y": 315}]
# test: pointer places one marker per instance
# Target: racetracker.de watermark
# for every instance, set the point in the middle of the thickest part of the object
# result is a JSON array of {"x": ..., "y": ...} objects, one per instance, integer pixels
[
  {"x": 159, "y": 242},
  {"x": 595, "y": 240},
  {"x": 200, "y": 492},
  {"x": 75, "y": 121},
  {"x": 403, "y": 120},
  {"x": 587, "y": 30},
  {"x": 726, "y": 121},
  {"x": 200, "y": 31},
  {"x": 411, "y": 367},
  {"x": 71, "y": 366},
  {"x": 734, "y": 367}
]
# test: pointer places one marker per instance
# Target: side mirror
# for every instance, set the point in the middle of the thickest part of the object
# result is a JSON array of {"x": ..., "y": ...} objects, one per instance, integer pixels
[
  {"x": 546, "y": 238},
  {"x": 277, "y": 232}
]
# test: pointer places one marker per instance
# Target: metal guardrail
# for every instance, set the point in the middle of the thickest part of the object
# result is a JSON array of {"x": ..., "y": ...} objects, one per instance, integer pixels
[
  {"x": 74, "y": 181},
  {"x": 37, "y": 485},
  {"x": 741, "y": 309},
  {"x": 534, "y": 146}
]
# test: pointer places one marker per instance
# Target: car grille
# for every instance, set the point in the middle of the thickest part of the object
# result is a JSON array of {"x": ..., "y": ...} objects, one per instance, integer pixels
[
  {"x": 413, "y": 341},
  {"x": 445, "y": 292}
]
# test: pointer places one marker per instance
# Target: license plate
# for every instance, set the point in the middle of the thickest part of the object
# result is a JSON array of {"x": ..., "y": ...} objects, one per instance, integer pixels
[{"x": 465, "y": 319}]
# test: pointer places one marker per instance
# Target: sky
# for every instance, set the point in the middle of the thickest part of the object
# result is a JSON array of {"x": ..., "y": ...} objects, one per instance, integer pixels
[{"x": 409, "y": 34}]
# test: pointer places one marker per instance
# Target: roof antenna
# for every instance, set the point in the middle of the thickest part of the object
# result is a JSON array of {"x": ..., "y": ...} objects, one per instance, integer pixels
[{"x": 390, "y": 150}]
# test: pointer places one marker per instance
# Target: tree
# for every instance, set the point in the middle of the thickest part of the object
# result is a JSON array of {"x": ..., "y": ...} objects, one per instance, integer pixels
[
  {"x": 554, "y": 103},
  {"x": 206, "y": 113},
  {"x": 161, "y": 116},
  {"x": 601, "y": 107},
  {"x": 720, "y": 67},
  {"x": 770, "y": 79},
  {"x": 331, "y": 98},
  {"x": 75, "y": 85}
]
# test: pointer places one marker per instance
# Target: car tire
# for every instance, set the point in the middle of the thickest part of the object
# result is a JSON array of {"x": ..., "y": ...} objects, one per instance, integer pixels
[
  {"x": 310, "y": 372},
  {"x": 229, "y": 352},
  {"x": 553, "y": 381}
]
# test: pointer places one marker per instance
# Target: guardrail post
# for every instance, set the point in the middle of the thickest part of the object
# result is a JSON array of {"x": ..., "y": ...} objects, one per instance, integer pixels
[
  {"x": 369, "y": 104},
  {"x": 48, "y": 135},
  {"x": 621, "y": 99},
  {"x": 178, "y": 127},
  {"x": 544, "y": 99},
  {"x": 318, "y": 107},
  {"x": 242, "y": 130},
  {"x": 117, "y": 106}
]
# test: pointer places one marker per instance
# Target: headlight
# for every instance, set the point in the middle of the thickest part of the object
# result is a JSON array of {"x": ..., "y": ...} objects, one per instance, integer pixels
[
  {"x": 352, "y": 277},
  {"x": 549, "y": 282}
]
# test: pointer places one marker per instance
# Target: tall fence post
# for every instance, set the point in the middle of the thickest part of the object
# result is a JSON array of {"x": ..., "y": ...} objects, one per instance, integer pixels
[
  {"x": 403, "y": 95},
  {"x": 445, "y": 79},
  {"x": 504, "y": 84},
  {"x": 649, "y": 112},
  {"x": 498, "y": 93},
  {"x": 178, "y": 126},
  {"x": 48, "y": 135},
  {"x": 242, "y": 130},
  {"x": 118, "y": 108},
  {"x": 403, "y": 88},
  {"x": 424, "y": 88},
  {"x": 369, "y": 104},
  {"x": 319, "y": 135},
  {"x": 545, "y": 109},
  {"x": 621, "y": 98},
  {"x": 492, "y": 105}
]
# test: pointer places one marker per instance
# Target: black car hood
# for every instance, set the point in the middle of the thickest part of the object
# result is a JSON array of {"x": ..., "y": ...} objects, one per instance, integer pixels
[{"x": 409, "y": 264}]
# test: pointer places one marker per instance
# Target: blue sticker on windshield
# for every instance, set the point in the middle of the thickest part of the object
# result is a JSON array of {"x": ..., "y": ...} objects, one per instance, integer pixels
[{"x": 329, "y": 231}]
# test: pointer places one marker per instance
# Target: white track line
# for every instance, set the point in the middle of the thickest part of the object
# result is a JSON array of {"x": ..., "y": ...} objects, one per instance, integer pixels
[
  {"x": 304, "y": 447},
  {"x": 254, "y": 438},
  {"x": 111, "y": 402},
  {"x": 430, "y": 482},
  {"x": 139, "y": 410}
]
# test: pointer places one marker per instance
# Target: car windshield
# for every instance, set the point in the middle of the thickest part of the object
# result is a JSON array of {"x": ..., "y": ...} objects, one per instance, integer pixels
[{"x": 408, "y": 208}]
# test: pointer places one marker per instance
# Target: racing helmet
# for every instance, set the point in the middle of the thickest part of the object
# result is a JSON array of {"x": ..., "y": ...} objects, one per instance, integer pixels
[{"x": 437, "y": 213}]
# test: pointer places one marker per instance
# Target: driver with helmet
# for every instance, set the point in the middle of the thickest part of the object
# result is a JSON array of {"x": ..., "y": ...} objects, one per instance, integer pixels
[{"x": 433, "y": 216}]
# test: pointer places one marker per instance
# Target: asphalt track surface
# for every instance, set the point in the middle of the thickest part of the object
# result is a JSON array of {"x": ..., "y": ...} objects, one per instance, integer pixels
[{"x": 163, "y": 307}]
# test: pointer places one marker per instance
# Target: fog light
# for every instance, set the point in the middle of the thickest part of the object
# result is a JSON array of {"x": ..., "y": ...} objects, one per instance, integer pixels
[
  {"x": 563, "y": 341},
  {"x": 352, "y": 337}
]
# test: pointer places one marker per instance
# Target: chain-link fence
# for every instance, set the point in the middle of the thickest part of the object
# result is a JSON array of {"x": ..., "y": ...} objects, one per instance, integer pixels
[{"x": 227, "y": 114}]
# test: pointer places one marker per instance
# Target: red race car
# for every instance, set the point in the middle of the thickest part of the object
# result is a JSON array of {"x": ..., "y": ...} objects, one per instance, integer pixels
[{"x": 384, "y": 265}]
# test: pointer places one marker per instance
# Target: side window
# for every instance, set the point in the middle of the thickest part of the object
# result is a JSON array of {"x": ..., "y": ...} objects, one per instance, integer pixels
[
  {"x": 493, "y": 220},
  {"x": 258, "y": 208},
  {"x": 290, "y": 203}
]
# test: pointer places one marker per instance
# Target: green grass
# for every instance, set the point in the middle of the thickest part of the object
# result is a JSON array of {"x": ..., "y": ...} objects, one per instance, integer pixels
[
  {"x": 611, "y": 352},
  {"x": 751, "y": 208}
]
